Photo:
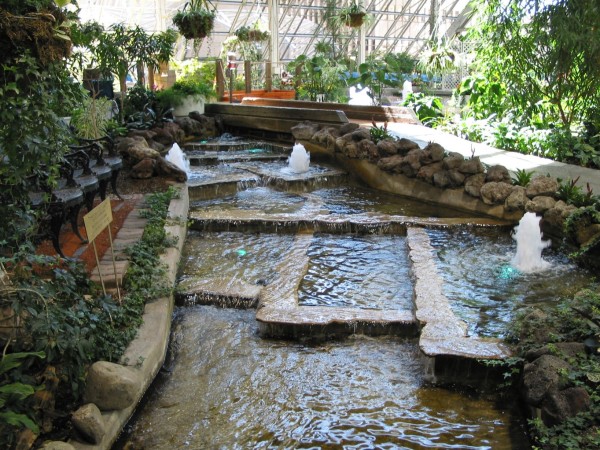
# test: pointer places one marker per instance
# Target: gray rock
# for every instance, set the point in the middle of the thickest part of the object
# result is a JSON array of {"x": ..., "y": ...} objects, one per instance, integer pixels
[
  {"x": 436, "y": 151},
  {"x": 586, "y": 235},
  {"x": 471, "y": 166},
  {"x": 473, "y": 184},
  {"x": 144, "y": 169},
  {"x": 517, "y": 199},
  {"x": 411, "y": 163},
  {"x": 57, "y": 445},
  {"x": 542, "y": 185},
  {"x": 388, "y": 147},
  {"x": 559, "y": 406},
  {"x": 406, "y": 145},
  {"x": 498, "y": 173},
  {"x": 360, "y": 134},
  {"x": 190, "y": 126},
  {"x": 169, "y": 170},
  {"x": 368, "y": 150},
  {"x": 391, "y": 164},
  {"x": 111, "y": 386},
  {"x": 426, "y": 173},
  {"x": 453, "y": 161},
  {"x": 326, "y": 136},
  {"x": 348, "y": 128},
  {"x": 564, "y": 350},
  {"x": 542, "y": 376},
  {"x": 88, "y": 422},
  {"x": 495, "y": 193},
  {"x": 540, "y": 204},
  {"x": 304, "y": 131}
]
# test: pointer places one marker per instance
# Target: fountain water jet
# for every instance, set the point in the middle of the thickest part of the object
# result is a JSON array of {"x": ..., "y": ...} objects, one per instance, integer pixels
[
  {"x": 528, "y": 235},
  {"x": 177, "y": 157},
  {"x": 299, "y": 160}
]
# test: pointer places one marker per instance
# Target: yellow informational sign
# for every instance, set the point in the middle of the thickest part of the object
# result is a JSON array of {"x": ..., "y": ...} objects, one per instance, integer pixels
[
  {"x": 98, "y": 219},
  {"x": 95, "y": 222}
]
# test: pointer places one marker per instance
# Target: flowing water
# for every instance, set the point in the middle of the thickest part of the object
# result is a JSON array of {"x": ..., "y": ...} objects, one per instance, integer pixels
[
  {"x": 227, "y": 388},
  {"x": 371, "y": 272}
]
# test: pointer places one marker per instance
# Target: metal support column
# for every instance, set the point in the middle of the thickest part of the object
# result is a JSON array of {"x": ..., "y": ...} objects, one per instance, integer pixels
[{"x": 273, "y": 6}]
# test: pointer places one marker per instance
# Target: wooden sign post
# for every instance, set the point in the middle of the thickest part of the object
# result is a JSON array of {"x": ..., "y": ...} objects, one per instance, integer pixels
[{"x": 95, "y": 222}]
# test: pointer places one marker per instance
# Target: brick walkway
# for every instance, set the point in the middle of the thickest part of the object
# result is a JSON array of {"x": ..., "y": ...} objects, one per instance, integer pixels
[{"x": 129, "y": 233}]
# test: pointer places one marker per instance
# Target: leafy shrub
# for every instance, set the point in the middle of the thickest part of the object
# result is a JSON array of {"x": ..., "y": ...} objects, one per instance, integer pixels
[{"x": 429, "y": 109}]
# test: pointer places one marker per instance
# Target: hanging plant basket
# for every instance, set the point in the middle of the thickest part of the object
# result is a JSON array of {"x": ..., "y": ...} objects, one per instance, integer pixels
[
  {"x": 43, "y": 33},
  {"x": 194, "y": 23},
  {"x": 355, "y": 20},
  {"x": 251, "y": 34}
]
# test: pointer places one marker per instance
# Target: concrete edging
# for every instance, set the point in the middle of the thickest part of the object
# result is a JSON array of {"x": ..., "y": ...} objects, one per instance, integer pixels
[{"x": 145, "y": 355}]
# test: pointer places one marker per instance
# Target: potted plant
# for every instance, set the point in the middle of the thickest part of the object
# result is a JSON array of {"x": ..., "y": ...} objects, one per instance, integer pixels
[
  {"x": 252, "y": 33},
  {"x": 195, "y": 20},
  {"x": 352, "y": 15},
  {"x": 185, "y": 96}
]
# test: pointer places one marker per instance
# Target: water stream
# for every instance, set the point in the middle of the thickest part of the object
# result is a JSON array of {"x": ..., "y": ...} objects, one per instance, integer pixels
[{"x": 227, "y": 388}]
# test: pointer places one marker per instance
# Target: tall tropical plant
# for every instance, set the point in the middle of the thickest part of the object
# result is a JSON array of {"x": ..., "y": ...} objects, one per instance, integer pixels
[{"x": 548, "y": 57}]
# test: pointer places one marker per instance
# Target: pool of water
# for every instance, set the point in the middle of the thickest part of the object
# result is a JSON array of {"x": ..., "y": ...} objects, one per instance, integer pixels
[
  {"x": 371, "y": 272},
  {"x": 261, "y": 199},
  {"x": 233, "y": 257},
  {"x": 343, "y": 200},
  {"x": 358, "y": 200},
  {"x": 226, "y": 388},
  {"x": 483, "y": 288}
]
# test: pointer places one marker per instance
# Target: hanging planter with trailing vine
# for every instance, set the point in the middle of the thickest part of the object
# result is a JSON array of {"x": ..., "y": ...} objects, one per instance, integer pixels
[
  {"x": 251, "y": 33},
  {"x": 195, "y": 20},
  {"x": 353, "y": 15}
]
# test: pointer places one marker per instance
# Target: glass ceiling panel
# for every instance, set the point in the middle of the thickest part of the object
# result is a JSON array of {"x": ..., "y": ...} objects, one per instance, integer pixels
[{"x": 396, "y": 25}]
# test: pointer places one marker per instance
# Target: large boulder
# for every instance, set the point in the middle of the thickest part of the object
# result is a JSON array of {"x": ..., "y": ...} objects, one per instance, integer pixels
[
  {"x": 453, "y": 161},
  {"x": 326, "y": 136},
  {"x": 426, "y": 173},
  {"x": 473, "y": 184},
  {"x": 89, "y": 424},
  {"x": 495, "y": 193},
  {"x": 559, "y": 406},
  {"x": 540, "y": 204},
  {"x": 436, "y": 151},
  {"x": 406, "y": 145},
  {"x": 304, "y": 131},
  {"x": 144, "y": 169},
  {"x": 368, "y": 150},
  {"x": 391, "y": 164},
  {"x": 554, "y": 218},
  {"x": 541, "y": 376},
  {"x": 169, "y": 133},
  {"x": 498, "y": 173},
  {"x": 169, "y": 170},
  {"x": 411, "y": 164},
  {"x": 111, "y": 386},
  {"x": 542, "y": 185},
  {"x": 471, "y": 166},
  {"x": 517, "y": 199},
  {"x": 388, "y": 147}
]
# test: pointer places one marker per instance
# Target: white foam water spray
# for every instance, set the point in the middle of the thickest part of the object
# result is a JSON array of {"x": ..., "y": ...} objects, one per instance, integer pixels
[
  {"x": 177, "y": 157},
  {"x": 530, "y": 244},
  {"x": 299, "y": 160}
]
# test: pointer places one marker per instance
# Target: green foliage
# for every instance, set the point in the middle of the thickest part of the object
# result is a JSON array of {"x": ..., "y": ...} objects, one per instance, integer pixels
[
  {"x": 91, "y": 118},
  {"x": 377, "y": 73},
  {"x": 252, "y": 33},
  {"x": 548, "y": 56},
  {"x": 320, "y": 76},
  {"x": 429, "y": 109},
  {"x": 437, "y": 58},
  {"x": 486, "y": 95},
  {"x": 379, "y": 133},
  {"x": 64, "y": 316},
  {"x": 13, "y": 396},
  {"x": 176, "y": 94},
  {"x": 522, "y": 177},
  {"x": 571, "y": 193}
]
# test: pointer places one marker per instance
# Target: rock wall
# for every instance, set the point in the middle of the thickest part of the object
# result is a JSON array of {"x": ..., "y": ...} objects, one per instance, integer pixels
[{"x": 435, "y": 175}]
